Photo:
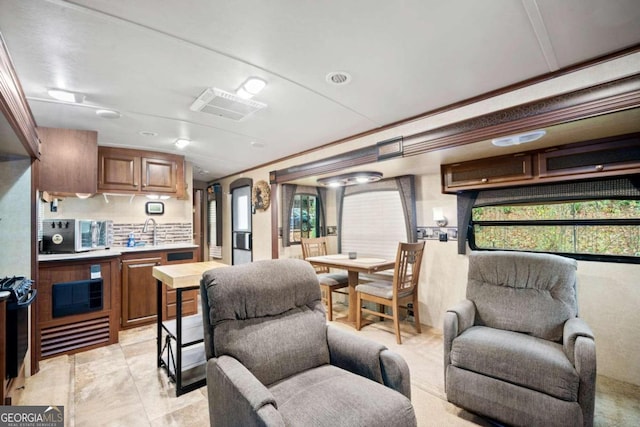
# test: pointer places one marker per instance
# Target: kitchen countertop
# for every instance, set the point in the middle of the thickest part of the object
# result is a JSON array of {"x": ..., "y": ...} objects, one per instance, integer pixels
[{"x": 114, "y": 252}]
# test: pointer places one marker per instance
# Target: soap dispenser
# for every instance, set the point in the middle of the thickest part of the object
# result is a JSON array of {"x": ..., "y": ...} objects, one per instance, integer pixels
[{"x": 132, "y": 241}]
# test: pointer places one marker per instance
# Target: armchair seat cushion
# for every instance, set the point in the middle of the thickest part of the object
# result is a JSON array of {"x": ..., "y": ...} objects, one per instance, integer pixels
[
  {"x": 517, "y": 358},
  {"x": 331, "y": 396},
  {"x": 381, "y": 289}
]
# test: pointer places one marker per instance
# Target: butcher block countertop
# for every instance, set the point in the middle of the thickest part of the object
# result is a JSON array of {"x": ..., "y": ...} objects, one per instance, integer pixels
[{"x": 184, "y": 275}]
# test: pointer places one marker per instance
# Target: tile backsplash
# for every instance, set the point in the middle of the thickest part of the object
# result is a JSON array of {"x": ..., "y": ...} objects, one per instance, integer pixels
[{"x": 167, "y": 233}]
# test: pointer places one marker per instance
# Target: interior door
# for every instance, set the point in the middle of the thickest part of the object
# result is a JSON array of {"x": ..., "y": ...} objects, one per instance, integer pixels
[{"x": 241, "y": 225}]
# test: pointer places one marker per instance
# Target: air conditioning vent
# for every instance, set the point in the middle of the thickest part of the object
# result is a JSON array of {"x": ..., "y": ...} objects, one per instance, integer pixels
[{"x": 224, "y": 104}]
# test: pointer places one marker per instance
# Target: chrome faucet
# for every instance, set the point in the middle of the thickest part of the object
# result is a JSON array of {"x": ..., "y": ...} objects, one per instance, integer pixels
[{"x": 155, "y": 229}]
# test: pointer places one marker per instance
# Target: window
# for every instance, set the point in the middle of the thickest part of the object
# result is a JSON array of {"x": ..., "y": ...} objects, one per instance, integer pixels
[
  {"x": 303, "y": 221},
  {"x": 606, "y": 229}
]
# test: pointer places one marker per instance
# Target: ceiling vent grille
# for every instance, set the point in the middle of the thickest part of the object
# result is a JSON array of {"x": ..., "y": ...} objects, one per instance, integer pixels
[{"x": 224, "y": 104}]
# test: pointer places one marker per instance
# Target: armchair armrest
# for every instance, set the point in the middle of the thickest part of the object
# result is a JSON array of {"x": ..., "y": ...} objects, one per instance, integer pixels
[
  {"x": 236, "y": 397},
  {"x": 579, "y": 345},
  {"x": 456, "y": 320},
  {"x": 368, "y": 359},
  {"x": 574, "y": 328}
]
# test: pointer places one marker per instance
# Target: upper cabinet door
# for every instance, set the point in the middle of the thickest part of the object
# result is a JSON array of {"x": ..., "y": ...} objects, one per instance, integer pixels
[
  {"x": 159, "y": 175},
  {"x": 123, "y": 170},
  {"x": 118, "y": 170},
  {"x": 68, "y": 161}
]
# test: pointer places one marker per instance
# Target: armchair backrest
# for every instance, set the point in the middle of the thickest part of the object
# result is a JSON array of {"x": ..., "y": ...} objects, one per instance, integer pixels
[
  {"x": 533, "y": 293},
  {"x": 268, "y": 315}
]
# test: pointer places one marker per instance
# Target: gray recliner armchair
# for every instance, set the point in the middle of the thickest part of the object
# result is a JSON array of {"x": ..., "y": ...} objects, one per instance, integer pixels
[
  {"x": 515, "y": 350},
  {"x": 272, "y": 360}
]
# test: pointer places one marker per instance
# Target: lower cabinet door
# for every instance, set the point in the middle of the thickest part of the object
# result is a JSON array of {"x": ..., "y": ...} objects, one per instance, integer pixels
[
  {"x": 189, "y": 303},
  {"x": 139, "y": 292}
]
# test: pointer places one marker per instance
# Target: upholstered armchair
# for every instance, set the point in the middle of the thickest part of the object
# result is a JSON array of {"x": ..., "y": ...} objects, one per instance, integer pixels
[
  {"x": 272, "y": 360},
  {"x": 515, "y": 350}
]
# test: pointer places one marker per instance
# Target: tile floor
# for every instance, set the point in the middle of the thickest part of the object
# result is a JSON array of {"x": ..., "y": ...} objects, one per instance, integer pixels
[{"x": 119, "y": 385}]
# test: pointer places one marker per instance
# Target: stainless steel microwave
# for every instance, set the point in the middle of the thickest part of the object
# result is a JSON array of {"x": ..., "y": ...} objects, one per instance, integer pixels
[{"x": 74, "y": 235}]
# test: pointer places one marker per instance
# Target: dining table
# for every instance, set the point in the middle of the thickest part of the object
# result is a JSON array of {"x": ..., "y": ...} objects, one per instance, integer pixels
[{"x": 353, "y": 266}]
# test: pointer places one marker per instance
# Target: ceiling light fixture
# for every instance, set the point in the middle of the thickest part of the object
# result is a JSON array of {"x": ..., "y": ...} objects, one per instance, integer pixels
[
  {"x": 182, "y": 142},
  {"x": 66, "y": 96},
  {"x": 350, "y": 179},
  {"x": 518, "y": 139},
  {"x": 108, "y": 114},
  {"x": 251, "y": 87}
]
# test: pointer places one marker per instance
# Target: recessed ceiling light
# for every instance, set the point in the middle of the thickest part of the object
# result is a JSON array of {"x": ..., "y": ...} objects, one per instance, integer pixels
[
  {"x": 338, "y": 78},
  {"x": 182, "y": 142},
  {"x": 108, "y": 114},
  {"x": 520, "y": 138},
  {"x": 66, "y": 96},
  {"x": 148, "y": 133},
  {"x": 256, "y": 144}
]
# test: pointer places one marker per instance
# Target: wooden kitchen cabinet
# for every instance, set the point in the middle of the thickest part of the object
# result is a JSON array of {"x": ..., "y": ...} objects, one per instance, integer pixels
[
  {"x": 139, "y": 300},
  {"x": 613, "y": 156},
  {"x": 619, "y": 155},
  {"x": 138, "y": 292},
  {"x": 68, "y": 161},
  {"x": 497, "y": 171},
  {"x": 122, "y": 170}
]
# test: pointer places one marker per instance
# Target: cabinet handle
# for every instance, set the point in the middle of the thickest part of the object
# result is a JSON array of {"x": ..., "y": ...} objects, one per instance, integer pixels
[
  {"x": 599, "y": 168},
  {"x": 135, "y": 184},
  {"x": 485, "y": 180}
]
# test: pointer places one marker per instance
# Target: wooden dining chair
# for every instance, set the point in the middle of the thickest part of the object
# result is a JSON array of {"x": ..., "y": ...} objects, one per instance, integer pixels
[
  {"x": 329, "y": 282},
  {"x": 397, "y": 293}
]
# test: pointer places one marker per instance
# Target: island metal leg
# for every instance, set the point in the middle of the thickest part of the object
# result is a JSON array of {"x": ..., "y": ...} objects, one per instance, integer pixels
[{"x": 159, "y": 316}]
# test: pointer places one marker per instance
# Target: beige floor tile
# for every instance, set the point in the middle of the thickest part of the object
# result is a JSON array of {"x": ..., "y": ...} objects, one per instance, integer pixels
[
  {"x": 194, "y": 415},
  {"x": 141, "y": 358},
  {"x": 104, "y": 399},
  {"x": 158, "y": 396},
  {"x": 136, "y": 335}
]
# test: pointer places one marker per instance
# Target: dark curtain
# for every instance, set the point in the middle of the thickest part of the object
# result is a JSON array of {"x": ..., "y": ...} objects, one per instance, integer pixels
[
  {"x": 288, "y": 191},
  {"x": 322, "y": 200}
]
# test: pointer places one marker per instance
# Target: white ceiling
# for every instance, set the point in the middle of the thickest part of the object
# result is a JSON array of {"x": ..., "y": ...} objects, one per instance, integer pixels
[{"x": 149, "y": 60}]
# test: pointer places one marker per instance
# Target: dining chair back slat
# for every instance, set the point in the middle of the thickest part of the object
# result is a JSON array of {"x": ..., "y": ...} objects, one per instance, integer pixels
[
  {"x": 402, "y": 290},
  {"x": 329, "y": 282}
]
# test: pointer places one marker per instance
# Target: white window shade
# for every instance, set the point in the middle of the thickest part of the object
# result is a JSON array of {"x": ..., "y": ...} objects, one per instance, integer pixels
[{"x": 373, "y": 224}]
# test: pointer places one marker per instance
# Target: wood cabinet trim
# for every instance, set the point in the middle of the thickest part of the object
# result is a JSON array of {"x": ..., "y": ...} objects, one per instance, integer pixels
[{"x": 14, "y": 106}]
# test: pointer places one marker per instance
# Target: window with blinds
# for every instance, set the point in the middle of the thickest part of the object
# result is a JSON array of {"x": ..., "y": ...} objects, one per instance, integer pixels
[
  {"x": 215, "y": 252},
  {"x": 373, "y": 223}
]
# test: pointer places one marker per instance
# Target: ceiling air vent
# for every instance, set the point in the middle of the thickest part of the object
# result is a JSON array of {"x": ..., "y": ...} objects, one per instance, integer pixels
[{"x": 224, "y": 104}]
